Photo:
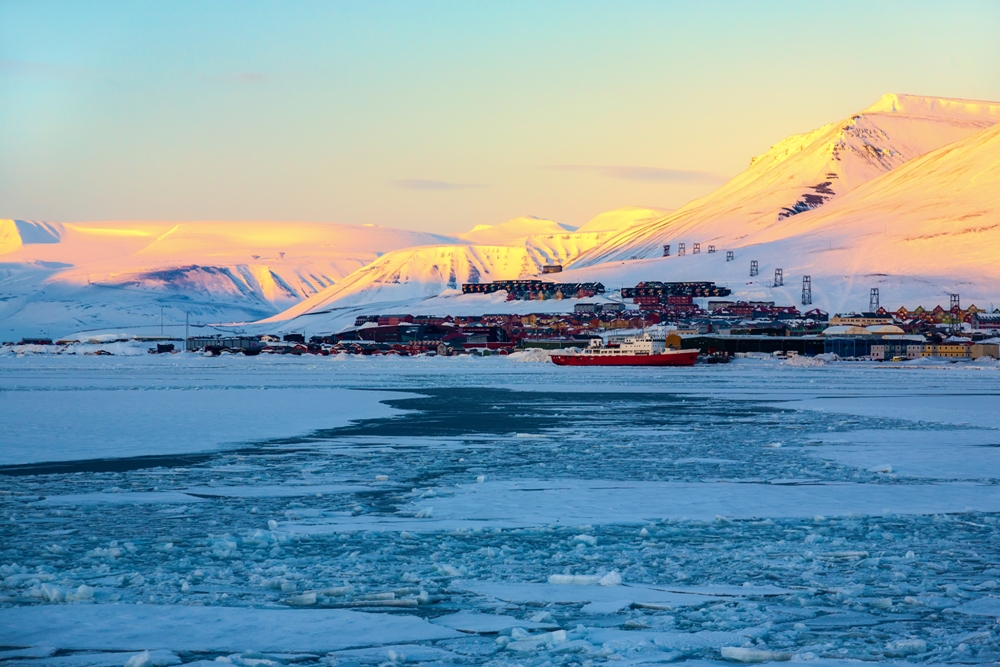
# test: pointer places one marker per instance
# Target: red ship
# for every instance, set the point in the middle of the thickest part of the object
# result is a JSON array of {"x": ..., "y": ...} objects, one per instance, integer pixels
[{"x": 629, "y": 351}]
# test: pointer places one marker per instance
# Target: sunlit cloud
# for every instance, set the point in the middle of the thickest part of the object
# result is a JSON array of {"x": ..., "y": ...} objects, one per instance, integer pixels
[
  {"x": 424, "y": 184},
  {"x": 642, "y": 174}
]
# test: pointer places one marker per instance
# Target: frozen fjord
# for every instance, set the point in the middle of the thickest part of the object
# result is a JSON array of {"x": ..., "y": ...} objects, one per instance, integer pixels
[{"x": 698, "y": 489}]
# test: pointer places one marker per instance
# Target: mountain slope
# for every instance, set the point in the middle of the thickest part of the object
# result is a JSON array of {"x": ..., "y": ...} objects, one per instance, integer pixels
[
  {"x": 414, "y": 274},
  {"x": 805, "y": 172},
  {"x": 514, "y": 230},
  {"x": 926, "y": 229},
  {"x": 62, "y": 277},
  {"x": 622, "y": 217}
]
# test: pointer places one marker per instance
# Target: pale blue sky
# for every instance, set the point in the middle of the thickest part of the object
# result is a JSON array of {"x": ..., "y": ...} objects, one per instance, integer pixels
[{"x": 440, "y": 115}]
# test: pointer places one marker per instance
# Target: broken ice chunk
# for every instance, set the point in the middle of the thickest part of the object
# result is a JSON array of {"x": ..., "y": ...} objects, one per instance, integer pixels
[
  {"x": 740, "y": 654},
  {"x": 304, "y": 600},
  {"x": 575, "y": 579},
  {"x": 904, "y": 647},
  {"x": 611, "y": 579}
]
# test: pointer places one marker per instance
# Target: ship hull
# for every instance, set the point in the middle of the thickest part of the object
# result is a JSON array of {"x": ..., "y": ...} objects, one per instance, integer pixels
[{"x": 673, "y": 358}]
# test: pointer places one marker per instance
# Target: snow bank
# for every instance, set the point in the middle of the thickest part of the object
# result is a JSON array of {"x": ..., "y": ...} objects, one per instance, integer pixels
[
  {"x": 114, "y": 348},
  {"x": 799, "y": 361},
  {"x": 533, "y": 355}
]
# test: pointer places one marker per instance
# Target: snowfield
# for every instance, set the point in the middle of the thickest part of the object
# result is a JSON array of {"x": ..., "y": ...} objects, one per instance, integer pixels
[{"x": 181, "y": 509}]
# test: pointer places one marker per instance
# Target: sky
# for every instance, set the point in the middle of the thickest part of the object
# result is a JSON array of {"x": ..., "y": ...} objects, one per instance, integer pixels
[{"x": 439, "y": 116}]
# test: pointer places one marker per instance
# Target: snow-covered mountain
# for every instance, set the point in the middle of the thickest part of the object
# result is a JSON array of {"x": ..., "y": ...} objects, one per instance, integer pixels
[
  {"x": 622, "y": 217},
  {"x": 901, "y": 196},
  {"x": 514, "y": 230},
  {"x": 805, "y": 172},
  {"x": 902, "y": 213},
  {"x": 409, "y": 276},
  {"x": 927, "y": 229},
  {"x": 57, "y": 278}
]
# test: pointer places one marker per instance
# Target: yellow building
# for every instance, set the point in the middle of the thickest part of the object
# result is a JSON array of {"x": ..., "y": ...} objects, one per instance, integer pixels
[{"x": 949, "y": 350}]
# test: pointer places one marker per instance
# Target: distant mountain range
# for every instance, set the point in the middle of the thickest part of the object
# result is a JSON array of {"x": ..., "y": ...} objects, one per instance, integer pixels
[{"x": 904, "y": 195}]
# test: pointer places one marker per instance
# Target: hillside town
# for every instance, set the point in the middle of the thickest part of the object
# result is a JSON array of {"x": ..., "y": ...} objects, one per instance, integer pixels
[{"x": 718, "y": 328}]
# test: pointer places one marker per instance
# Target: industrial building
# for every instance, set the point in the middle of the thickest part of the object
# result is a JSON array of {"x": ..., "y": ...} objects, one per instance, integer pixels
[
  {"x": 861, "y": 319},
  {"x": 246, "y": 344},
  {"x": 985, "y": 321},
  {"x": 730, "y": 345},
  {"x": 532, "y": 290}
]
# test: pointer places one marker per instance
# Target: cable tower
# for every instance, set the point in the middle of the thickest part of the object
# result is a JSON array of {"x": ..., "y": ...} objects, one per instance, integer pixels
[
  {"x": 873, "y": 305},
  {"x": 807, "y": 290},
  {"x": 779, "y": 278},
  {"x": 754, "y": 270}
]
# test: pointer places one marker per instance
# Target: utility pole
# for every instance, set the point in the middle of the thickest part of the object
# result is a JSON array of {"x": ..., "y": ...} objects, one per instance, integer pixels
[
  {"x": 161, "y": 320},
  {"x": 187, "y": 325}
]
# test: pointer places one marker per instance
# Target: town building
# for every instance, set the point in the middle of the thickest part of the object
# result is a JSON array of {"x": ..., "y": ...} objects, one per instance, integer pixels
[
  {"x": 947, "y": 350},
  {"x": 597, "y": 307},
  {"x": 888, "y": 350},
  {"x": 985, "y": 321},
  {"x": 861, "y": 319},
  {"x": 979, "y": 350}
]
